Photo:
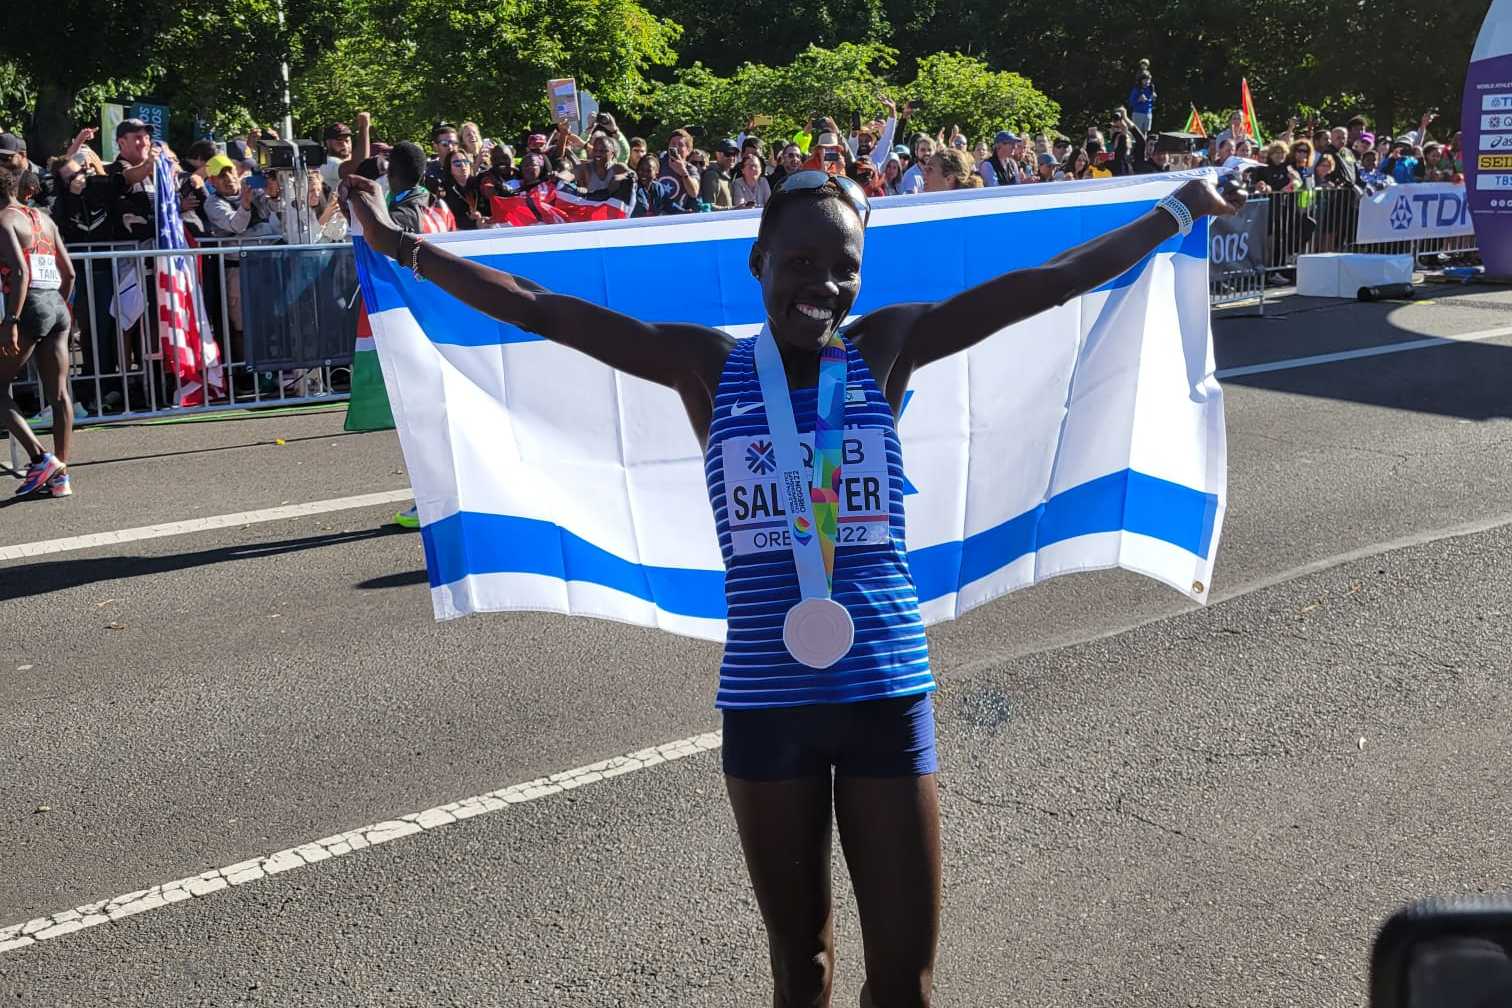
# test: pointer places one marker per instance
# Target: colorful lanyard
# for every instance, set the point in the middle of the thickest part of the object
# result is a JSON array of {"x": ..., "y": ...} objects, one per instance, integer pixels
[{"x": 813, "y": 502}]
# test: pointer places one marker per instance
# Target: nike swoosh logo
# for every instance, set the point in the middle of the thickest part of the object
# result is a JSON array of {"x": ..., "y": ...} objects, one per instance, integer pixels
[{"x": 741, "y": 409}]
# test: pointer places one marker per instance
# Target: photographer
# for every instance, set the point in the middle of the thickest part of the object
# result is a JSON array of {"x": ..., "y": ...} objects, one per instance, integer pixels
[{"x": 237, "y": 207}]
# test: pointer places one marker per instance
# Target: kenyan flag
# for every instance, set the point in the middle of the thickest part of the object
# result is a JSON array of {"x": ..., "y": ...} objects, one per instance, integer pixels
[{"x": 368, "y": 408}]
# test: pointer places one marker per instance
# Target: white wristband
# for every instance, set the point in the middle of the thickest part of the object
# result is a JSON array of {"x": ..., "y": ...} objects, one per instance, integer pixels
[{"x": 1178, "y": 210}]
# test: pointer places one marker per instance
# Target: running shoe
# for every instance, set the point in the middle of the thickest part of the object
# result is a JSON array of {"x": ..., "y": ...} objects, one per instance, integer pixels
[
  {"x": 409, "y": 519},
  {"x": 59, "y": 486},
  {"x": 38, "y": 473}
]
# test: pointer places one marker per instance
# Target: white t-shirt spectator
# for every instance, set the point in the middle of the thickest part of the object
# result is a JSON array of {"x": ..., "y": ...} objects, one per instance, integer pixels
[{"x": 913, "y": 180}]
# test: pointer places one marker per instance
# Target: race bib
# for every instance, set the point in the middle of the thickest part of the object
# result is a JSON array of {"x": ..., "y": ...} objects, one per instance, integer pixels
[
  {"x": 755, "y": 513},
  {"x": 44, "y": 271}
]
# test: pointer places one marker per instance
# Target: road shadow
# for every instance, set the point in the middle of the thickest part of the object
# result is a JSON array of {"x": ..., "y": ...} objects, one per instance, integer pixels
[
  {"x": 44, "y": 576},
  {"x": 400, "y": 579},
  {"x": 1466, "y": 380}
]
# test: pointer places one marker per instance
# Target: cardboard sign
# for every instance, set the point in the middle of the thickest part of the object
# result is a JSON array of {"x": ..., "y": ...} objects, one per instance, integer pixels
[
  {"x": 110, "y": 117},
  {"x": 563, "y": 98}
]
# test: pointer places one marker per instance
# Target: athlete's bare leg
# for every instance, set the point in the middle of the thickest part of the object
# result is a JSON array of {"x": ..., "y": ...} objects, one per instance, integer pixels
[
  {"x": 890, "y": 831},
  {"x": 10, "y": 367},
  {"x": 785, "y": 833},
  {"x": 52, "y": 362}
]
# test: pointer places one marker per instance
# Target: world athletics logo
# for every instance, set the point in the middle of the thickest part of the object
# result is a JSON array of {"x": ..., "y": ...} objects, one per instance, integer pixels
[
  {"x": 760, "y": 458},
  {"x": 1401, "y": 215}
]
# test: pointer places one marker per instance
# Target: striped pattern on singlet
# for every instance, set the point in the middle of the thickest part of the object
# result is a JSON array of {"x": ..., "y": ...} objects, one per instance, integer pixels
[{"x": 890, "y": 656}]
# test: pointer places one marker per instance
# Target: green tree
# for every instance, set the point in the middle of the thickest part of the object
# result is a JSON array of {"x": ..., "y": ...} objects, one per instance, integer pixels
[
  {"x": 963, "y": 91},
  {"x": 832, "y": 82},
  {"x": 723, "y": 36},
  {"x": 414, "y": 63}
]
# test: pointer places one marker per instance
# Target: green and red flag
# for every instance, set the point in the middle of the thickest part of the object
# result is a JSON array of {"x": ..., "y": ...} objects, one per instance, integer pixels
[
  {"x": 1247, "y": 109},
  {"x": 1194, "y": 124}
]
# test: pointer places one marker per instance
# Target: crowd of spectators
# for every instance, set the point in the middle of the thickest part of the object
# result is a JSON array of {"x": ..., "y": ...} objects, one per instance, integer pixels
[{"x": 224, "y": 196}]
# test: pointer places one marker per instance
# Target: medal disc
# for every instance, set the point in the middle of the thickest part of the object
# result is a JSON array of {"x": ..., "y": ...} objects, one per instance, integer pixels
[{"x": 818, "y": 632}]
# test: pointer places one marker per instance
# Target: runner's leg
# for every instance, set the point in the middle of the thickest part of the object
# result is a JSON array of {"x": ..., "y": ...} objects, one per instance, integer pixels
[
  {"x": 52, "y": 362},
  {"x": 10, "y": 367},
  {"x": 785, "y": 833},
  {"x": 890, "y": 831}
]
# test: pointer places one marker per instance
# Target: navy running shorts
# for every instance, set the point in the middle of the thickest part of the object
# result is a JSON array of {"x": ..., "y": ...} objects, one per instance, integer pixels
[{"x": 893, "y": 737}]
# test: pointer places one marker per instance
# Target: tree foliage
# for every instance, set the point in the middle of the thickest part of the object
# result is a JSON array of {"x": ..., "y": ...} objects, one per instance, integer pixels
[
  {"x": 685, "y": 62},
  {"x": 963, "y": 91},
  {"x": 724, "y": 36},
  {"x": 830, "y": 82}
]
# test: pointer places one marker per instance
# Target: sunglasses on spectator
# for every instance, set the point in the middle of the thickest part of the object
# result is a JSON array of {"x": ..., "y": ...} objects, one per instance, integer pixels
[{"x": 812, "y": 179}]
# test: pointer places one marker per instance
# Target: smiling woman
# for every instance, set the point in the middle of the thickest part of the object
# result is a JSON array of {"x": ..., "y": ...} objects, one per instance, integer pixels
[{"x": 825, "y": 684}]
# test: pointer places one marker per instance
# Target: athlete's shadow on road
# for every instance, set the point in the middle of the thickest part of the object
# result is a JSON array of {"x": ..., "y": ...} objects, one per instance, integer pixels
[
  {"x": 26, "y": 580},
  {"x": 1471, "y": 381}
]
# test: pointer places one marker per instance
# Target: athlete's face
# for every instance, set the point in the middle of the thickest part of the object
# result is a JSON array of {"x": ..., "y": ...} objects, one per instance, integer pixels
[{"x": 810, "y": 269}]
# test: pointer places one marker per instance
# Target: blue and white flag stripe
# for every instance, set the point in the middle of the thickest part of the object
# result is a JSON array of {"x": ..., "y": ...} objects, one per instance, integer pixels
[{"x": 1090, "y": 436}]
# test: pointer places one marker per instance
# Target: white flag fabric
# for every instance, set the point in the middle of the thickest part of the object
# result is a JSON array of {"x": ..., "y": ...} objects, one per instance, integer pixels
[{"x": 1090, "y": 436}]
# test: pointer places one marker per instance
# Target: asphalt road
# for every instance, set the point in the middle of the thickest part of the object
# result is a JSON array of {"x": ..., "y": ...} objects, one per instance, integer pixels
[{"x": 1144, "y": 803}]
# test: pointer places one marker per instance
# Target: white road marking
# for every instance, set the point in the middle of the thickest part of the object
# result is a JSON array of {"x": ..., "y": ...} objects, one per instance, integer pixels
[
  {"x": 109, "y": 911},
  {"x": 201, "y": 524},
  {"x": 1372, "y": 351}
]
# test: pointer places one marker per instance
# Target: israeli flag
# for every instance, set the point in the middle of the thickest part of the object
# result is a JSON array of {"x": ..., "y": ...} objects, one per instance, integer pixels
[{"x": 1090, "y": 436}]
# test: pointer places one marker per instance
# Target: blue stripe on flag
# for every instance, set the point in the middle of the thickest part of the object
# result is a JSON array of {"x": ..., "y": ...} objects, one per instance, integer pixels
[
  {"x": 470, "y": 542},
  {"x": 709, "y": 282}
]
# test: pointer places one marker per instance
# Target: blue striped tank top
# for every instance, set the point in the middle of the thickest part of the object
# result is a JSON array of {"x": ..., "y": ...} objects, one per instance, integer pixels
[{"x": 890, "y": 656}]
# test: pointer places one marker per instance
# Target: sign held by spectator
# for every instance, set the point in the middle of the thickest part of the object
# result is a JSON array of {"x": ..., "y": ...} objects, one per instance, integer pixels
[
  {"x": 563, "y": 96},
  {"x": 111, "y": 115}
]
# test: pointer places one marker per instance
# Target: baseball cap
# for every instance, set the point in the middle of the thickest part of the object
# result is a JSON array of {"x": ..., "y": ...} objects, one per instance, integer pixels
[
  {"x": 1046, "y": 158},
  {"x": 902, "y": 150},
  {"x": 132, "y": 126},
  {"x": 218, "y": 164},
  {"x": 237, "y": 150},
  {"x": 1003, "y": 136},
  {"x": 336, "y": 131},
  {"x": 12, "y": 144},
  {"x": 535, "y": 140},
  {"x": 378, "y": 148},
  {"x": 727, "y": 147},
  {"x": 1368, "y": 137}
]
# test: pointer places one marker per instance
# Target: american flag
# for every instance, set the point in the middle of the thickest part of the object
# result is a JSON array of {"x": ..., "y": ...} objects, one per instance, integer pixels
[{"x": 189, "y": 349}]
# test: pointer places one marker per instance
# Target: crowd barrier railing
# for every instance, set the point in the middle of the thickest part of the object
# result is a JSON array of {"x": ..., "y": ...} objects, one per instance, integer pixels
[
  {"x": 281, "y": 323},
  {"x": 1327, "y": 220}
]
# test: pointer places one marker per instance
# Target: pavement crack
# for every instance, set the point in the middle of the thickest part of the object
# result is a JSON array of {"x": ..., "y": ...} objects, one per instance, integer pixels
[
  {"x": 1017, "y": 804},
  {"x": 1118, "y": 809},
  {"x": 1401, "y": 457}
]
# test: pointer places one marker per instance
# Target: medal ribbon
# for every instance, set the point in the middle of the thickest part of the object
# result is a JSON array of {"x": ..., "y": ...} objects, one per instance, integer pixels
[{"x": 812, "y": 501}]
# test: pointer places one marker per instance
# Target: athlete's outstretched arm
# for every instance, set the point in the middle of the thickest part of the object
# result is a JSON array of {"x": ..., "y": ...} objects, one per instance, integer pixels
[
  {"x": 952, "y": 325},
  {"x": 671, "y": 355}
]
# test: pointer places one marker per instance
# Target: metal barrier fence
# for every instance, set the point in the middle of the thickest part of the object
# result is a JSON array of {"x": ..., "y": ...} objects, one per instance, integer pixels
[
  {"x": 1326, "y": 220},
  {"x": 282, "y": 321}
]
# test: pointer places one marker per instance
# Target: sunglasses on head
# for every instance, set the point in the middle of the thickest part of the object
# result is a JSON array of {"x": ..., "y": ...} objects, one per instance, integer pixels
[{"x": 812, "y": 180}]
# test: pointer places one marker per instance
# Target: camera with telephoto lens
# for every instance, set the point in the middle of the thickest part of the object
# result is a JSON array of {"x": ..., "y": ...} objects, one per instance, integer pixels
[{"x": 280, "y": 155}]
